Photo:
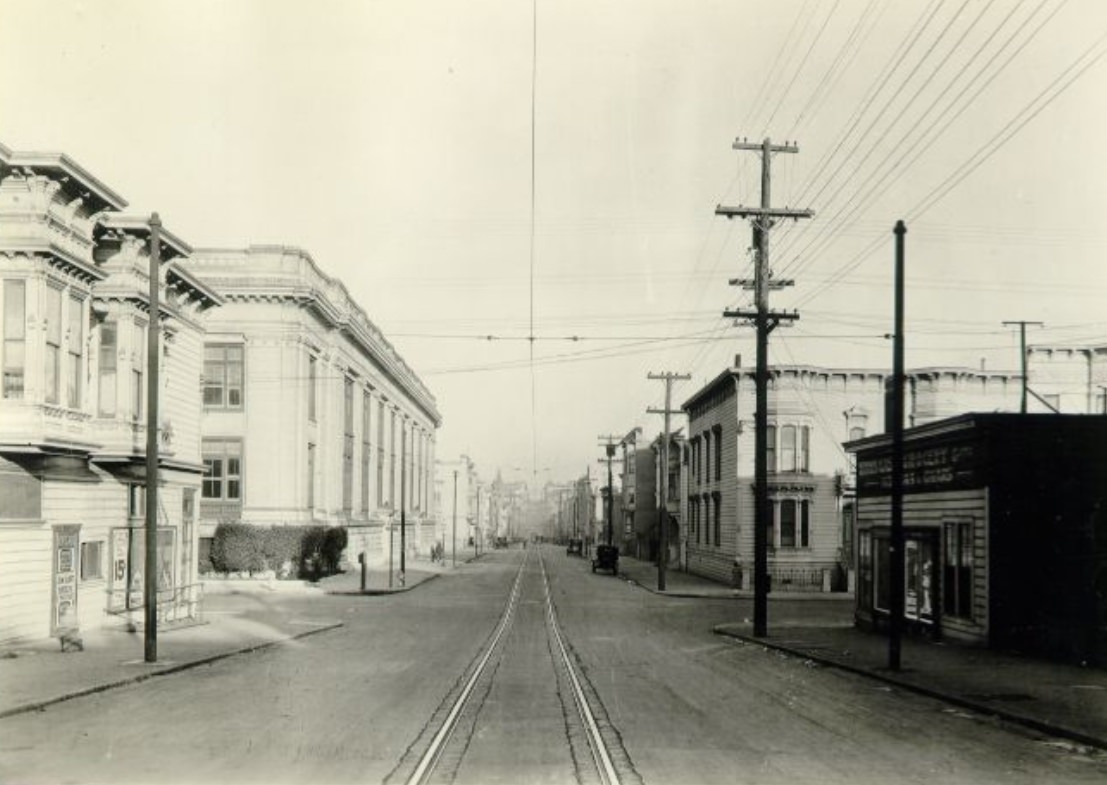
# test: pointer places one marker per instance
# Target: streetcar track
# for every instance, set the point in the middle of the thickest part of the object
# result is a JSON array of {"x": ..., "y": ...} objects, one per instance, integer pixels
[{"x": 460, "y": 724}]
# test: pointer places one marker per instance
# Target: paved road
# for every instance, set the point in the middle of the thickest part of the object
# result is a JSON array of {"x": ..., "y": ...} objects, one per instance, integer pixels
[{"x": 685, "y": 706}]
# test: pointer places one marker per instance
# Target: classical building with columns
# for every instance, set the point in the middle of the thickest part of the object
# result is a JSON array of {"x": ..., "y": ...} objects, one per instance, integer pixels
[
  {"x": 309, "y": 414},
  {"x": 74, "y": 284}
]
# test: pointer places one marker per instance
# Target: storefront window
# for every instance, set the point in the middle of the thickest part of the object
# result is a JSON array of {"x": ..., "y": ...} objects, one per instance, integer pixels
[
  {"x": 883, "y": 568},
  {"x": 865, "y": 570},
  {"x": 957, "y": 570}
]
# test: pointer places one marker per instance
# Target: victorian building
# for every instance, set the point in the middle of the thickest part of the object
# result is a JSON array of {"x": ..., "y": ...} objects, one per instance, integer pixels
[
  {"x": 309, "y": 414},
  {"x": 812, "y": 411},
  {"x": 74, "y": 283}
]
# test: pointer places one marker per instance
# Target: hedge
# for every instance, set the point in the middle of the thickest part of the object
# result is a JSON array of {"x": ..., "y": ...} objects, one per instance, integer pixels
[{"x": 310, "y": 551}]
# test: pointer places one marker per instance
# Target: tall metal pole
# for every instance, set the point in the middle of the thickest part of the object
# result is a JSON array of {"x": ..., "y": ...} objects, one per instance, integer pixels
[
  {"x": 478, "y": 530},
  {"x": 611, "y": 496},
  {"x": 453, "y": 556},
  {"x": 150, "y": 635},
  {"x": 896, "y": 547}
]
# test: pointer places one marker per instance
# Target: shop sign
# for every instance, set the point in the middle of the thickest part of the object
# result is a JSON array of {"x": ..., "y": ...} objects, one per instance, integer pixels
[
  {"x": 933, "y": 467},
  {"x": 64, "y": 605}
]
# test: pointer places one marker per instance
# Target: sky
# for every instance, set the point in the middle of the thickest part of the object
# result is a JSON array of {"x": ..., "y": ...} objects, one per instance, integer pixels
[{"x": 482, "y": 173}]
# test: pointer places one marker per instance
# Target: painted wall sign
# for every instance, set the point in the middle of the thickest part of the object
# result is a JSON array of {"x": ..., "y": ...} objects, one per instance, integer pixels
[{"x": 936, "y": 467}]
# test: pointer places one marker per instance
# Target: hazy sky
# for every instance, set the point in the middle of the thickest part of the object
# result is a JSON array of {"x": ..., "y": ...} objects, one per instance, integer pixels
[{"x": 393, "y": 142}]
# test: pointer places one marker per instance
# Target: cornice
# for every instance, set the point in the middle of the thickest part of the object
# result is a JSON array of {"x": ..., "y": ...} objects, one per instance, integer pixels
[{"x": 90, "y": 187}]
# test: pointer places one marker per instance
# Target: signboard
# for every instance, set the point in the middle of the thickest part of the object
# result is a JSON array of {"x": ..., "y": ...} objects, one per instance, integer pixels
[
  {"x": 128, "y": 561},
  {"x": 926, "y": 467},
  {"x": 64, "y": 606}
]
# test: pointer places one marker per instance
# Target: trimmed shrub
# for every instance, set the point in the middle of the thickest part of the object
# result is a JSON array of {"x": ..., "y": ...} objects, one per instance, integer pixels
[
  {"x": 290, "y": 551},
  {"x": 235, "y": 549},
  {"x": 334, "y": 542}
]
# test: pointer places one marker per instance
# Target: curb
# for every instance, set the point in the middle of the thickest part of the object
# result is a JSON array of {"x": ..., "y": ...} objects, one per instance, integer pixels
[
  {"x": 379, "y": 592},
  {"x": 166, "y": 671},
  {"x": 1028, "y": 722}
]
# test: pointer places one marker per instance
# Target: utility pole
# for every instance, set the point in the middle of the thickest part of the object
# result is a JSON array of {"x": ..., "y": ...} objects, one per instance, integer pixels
[
  {"x": 477, "y": 531},
  {"x": 453, "y": 550},
  {"x": 1022, "y": 355},
  {"x": 764, "y": 320},
  {"x": 150, "y": 606},
  {"x": 663, "y": 512},
  {"x": 609, "y": 447},
  {"x": 896, "y": 545}
]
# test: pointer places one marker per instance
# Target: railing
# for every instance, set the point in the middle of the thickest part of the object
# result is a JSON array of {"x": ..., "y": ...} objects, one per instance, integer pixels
[
  {"x": 798, "y": 579},
  {"x": 177, "y": 603}
]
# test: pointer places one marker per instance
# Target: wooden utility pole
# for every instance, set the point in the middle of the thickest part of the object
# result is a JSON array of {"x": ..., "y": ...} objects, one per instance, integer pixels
[
  {"x": 764, "y": 320},
  {"x": 453, "y": 550},
  {"x": 150, "y": 606},
  {"x": 896, "y": 546},
  {"x": 609, "y": 445},
  {"x": 663, "y": 510},
  {"x": 1022, "y": 356}
]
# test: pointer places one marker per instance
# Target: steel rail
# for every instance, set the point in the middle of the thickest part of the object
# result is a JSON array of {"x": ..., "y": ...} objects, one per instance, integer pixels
[
  {"x": 434, "y": 751},
  {"x": 600, "y": 755}
]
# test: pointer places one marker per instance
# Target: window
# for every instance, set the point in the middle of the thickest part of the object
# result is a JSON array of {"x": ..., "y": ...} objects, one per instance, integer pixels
[
  {"x": 770, "y": 448},
  {"x": 348, "y": 446},
  {"x": 788, "y": 448},
  {"x": 136, "y": 501},
  {"x": 706, "y": 519},
  {"x": 311, "y": 382},
  {"x": 223, "y": 376},
  {"x": 222, "y": 469},
  {"x": 15, "y": 337},
  {"x": 788, "y": 523},
  {"x": 718, "y": 452},
  {"x": 392, "y": 457},
  {"x": 138, "y": 354},
  {"x": 20, "y": 494},
  {"x": 380, "y": 454},
  {"x": 108, "y": 359},
  {"x": 804, "y": 448},
  {"x": 718, "y": 508},
  {"x": 957, "y": 594},
  {"x": 53, "y": 343},
  {"x": 311, "y": 476},
  {"x": 92, "y": 560},
  {"x": 75, "y": 344},
  {"x": 707, "y": 455},
  {"x": 366, "y": 450},
  {"x": 864, "y": 569},
  {"x": 794, "y": 523}
]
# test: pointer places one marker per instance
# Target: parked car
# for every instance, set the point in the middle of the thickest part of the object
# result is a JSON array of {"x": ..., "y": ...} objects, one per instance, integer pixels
[
  {"x": 576, "y": 547},
  {"x": 606, "y": 558}
]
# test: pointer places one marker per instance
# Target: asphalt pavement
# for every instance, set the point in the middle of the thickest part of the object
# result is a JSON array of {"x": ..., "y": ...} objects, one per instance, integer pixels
[
  {"x": 1066, "y": 701},
  {"x": 1058, "y": 699}
]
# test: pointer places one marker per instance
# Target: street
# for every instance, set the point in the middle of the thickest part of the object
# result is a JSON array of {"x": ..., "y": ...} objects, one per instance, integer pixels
[{"x": 673, "y": 703}]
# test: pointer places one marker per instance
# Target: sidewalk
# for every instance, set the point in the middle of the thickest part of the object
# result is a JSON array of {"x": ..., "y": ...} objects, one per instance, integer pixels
[
  {"x": 1061, "y": 700},
  {"x": 238, "y": 617}
]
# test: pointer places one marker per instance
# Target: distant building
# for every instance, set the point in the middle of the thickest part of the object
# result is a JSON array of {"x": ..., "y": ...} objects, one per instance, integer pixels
[
  {"x": 74, "y": 288},
  {"x": 309, "y": 414},
  {"x": 1005, "y": 532}
]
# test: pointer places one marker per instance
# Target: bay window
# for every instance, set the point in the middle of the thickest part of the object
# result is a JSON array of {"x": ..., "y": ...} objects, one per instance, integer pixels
[{"x": 15, "y": 337}]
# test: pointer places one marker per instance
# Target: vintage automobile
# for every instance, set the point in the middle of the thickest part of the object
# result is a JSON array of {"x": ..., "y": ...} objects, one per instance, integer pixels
[
  {"x": 606, "y": 558},
  {"x": 576, "y": 547}
]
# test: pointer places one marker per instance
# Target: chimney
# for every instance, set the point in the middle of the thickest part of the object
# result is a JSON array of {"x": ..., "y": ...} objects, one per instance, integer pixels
[{"x": 737, "y": 361}]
